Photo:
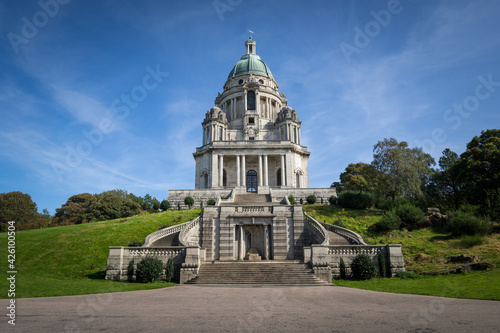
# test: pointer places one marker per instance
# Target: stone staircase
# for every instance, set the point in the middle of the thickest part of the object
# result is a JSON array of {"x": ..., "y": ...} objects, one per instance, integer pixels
[
  {"x": 256, "y": 273},
  {"x": 251, "y": 199}
]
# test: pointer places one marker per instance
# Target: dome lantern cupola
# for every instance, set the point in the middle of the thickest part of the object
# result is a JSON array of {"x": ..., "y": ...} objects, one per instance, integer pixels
[
  {"x": 250, "y": 62},
  {"x": 251, "y": 46}
]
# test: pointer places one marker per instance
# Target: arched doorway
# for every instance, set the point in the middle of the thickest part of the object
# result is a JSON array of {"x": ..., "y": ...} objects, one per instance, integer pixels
[{"x": 252, "y": 181}]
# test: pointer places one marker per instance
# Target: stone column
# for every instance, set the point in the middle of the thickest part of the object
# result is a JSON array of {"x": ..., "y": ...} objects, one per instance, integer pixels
[
  {"x": 283, "y": 179},
  {"x": 241, "y": 244},
  {"x": 260, "y": 170},
  {"x": 298, "y": 132},
  {"x": 244, "y": 101},
  {"x": 238, "y": 175},
  {"x": 266, "y": 176},
  {"x": 243, "y": 171},
  {"x": 221, "y": 170},
  {"x": 266, "y": 240}
]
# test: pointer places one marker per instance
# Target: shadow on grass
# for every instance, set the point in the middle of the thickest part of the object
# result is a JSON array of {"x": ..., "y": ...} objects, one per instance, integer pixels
[
  {"x": 100, "y": 275},
  {"x": 441, "y": 238}
]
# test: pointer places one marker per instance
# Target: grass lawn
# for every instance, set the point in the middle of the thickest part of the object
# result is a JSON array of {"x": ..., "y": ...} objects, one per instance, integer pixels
[
  {"x": 424, "y": 250},
  {"x": 71, "y": 260},
  {"x": 475, "y": 285}
]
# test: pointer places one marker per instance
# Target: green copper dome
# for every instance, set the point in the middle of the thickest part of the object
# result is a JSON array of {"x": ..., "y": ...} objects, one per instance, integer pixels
[{"x": 250, "y": 63}]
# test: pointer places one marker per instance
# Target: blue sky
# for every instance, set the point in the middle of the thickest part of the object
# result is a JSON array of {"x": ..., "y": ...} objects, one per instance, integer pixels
[{"x": 98, "y": 95}]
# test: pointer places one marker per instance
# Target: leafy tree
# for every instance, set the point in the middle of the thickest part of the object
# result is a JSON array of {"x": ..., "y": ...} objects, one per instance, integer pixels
[
  {"x": 189, "y": 201},
  {"x": 359, "y": 177},
  {"x": 18, "y": 207},
  {"x": 480, "y": 166},
  {"x": 78, "y": 209},
  {"x": 404, "y": 170},
  {"x": 445, "y": 188},
  {"x": 165, "y": 205},
  {"x": 85, "y": 207}
]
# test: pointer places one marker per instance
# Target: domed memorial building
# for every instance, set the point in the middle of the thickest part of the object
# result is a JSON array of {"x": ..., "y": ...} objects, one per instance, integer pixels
[{"x": 251, "y": 163}]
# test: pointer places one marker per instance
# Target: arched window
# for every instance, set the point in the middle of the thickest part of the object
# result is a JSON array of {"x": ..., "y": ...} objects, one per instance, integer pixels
[
  {"x": 297, "y": 180},
  {"x": 278, "y": 177},
  {"x": 251, "y": 181},
  {"x": 251, "y": 100}
]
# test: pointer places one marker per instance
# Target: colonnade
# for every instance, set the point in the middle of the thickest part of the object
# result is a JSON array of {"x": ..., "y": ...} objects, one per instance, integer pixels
[
  {"x": 214, "y": 132},
  {"x": 241, "y": 169}
]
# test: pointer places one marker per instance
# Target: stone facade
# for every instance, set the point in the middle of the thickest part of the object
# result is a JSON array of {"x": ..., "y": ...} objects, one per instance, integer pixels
[{"x": 251, "y": 137}]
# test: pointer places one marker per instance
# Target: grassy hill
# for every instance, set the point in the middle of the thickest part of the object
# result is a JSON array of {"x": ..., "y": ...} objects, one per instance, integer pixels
[
  {"x": 71, "y": 260},
  {"x": 424, "y": 251}
]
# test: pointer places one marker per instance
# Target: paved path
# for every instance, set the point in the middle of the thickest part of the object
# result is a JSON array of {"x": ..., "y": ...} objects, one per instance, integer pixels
[{"x": 253, "y": 309}]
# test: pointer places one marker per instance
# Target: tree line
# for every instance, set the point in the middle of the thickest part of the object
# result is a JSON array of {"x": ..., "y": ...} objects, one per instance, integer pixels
[
  {"x": 79, "y": 208},
  {"x": 471, "y": 178}
]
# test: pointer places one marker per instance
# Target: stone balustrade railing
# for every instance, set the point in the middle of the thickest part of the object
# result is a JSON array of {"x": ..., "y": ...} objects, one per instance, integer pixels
[
  {"x": 317, "y": 228},
  {"x": 353, "y": 237},
  {"x": 253, "y": 209},
  {"x": 163, "y": 252},
  {"x": 190, "y": 229},
  {"x": 153, "y": 237},
  {"x": 353, "y": 250}
]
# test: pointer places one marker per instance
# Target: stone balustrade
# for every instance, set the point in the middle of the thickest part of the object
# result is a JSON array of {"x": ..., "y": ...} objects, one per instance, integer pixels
[
  {"x": 317, "y": 229},
  {"x": 189, "y": 236},
  {"x": 153, "y": 237},
  {"x": 353, "y": 237}
]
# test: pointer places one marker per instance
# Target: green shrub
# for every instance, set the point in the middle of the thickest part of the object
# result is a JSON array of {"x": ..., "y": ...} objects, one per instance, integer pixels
[
  {"x": 471, "y": 240},
  {"x": 363, "y": 267},
  {"x": 382, "y": 268},
  {"x": 165, "y": 205},
  {"x": 149, "y": 269},
  {"x": 135, "y": 243},
  {"x": 130, "y": 268},
  {"x": 169, "y": 270},
  {"x": 291, "y": 199},
  {"x": 311, "y": 199},
  {"x": 332, "y": 200},
  {"x": 338, "y": 222},
  {"x": 356, "y": 200},
  {"x": 211, "y": 202},
  {"x": 390, "y": 221},
  {"x": 465, "y": 223},
  {"x": 412, "y": 217},
  {"x": 189, "y": 201},
  {"x": 407, "y": 275},
  {"x": 343, "y": 275},
  {"x": 163, "y": 226}
]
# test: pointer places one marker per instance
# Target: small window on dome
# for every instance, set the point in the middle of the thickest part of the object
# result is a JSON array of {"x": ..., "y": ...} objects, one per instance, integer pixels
[
  {"x": 240, "y": 82},
  {"x": 261, "y": 82}
]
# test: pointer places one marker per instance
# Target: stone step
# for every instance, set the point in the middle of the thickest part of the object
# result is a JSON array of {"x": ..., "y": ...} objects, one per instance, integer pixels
[
  {"x": 256, "y": 273},
  {"x": 251, "y": 199}
]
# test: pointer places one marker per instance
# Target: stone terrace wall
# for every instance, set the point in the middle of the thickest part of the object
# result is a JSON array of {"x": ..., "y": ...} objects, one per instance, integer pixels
[
  {"x": 322, "y": 257},
  {"x": 277, "y": 194},
  {"x": 200, "y": 196}
]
